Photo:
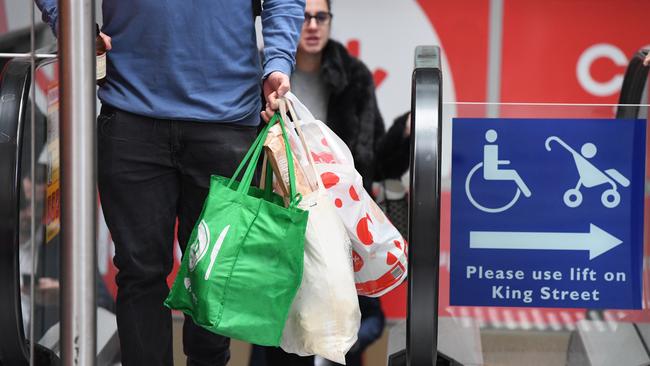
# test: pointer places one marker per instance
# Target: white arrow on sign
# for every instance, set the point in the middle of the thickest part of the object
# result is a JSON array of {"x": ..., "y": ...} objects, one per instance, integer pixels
[{"x": 597, "y": 241}]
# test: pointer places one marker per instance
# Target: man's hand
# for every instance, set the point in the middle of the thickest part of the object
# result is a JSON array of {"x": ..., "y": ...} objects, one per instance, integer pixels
[
  {"x": 276, "y": 85},
  {"x": 647, "y": 60},
  {"x": 107, "y": 40}
]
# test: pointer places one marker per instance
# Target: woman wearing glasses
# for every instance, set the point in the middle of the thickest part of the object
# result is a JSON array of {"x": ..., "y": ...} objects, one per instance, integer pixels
[{"x": 339, "y": 90}]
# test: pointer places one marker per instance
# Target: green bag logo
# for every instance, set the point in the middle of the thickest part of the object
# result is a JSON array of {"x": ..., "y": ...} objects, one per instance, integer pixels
[
  {"x": 199, "y": 248},
  {"x": 215, "y": 250}
]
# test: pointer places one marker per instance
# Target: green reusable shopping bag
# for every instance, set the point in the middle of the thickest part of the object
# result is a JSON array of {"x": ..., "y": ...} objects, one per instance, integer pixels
[{"x": 243, "y": 263}]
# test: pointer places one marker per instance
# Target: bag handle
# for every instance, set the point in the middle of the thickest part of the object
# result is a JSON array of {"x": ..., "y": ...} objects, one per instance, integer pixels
[
  {"x": 304, "y": 111},
  {"x": 295, "y": 197},
  {"x": 286, "y": 108},
  {"x": 266, "y": 180},
  {"x": 253, "y": 156},
  {"x": 251, "y": 151},
  {"x": 306, "y": 115}
]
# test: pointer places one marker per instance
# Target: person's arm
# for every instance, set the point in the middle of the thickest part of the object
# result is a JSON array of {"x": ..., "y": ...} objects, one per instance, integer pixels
[
  {"x": 647, "y": 60},
  {"x": 372, "y": 321},
  {"x": 281, "y": 24},
  {"x": 393, "y": 151},
  {"x": 371, "y": 125},
  {"x": 50, "y": 13}
]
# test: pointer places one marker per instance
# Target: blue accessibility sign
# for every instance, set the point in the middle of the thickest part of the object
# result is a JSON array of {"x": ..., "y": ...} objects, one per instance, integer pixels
[{"x": 547, "y": 212}]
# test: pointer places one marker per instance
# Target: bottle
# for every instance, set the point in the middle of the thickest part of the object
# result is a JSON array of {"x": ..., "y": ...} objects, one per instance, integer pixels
[{"x": 100, "y": 52}]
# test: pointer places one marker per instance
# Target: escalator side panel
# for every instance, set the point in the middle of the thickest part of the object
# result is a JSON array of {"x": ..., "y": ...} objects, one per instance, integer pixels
[{"x": 14, "y": 96}]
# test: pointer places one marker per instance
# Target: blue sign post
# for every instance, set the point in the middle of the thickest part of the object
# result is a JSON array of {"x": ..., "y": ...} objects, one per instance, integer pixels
[{"x": 547, "y": 213}]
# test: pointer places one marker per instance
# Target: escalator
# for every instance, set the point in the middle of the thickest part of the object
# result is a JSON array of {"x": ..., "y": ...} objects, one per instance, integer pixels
[
  {"x": 629, "y": 342},
  {"x": 425, "y": 339},
  {"x": 416, "y": 341},
  {"x": 27, "y": 313},
  {"x": 16, "y": 181}
]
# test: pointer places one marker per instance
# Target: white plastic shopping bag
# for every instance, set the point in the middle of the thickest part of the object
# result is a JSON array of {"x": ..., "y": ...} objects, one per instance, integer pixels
[
  {"x": 324, "y": 318},
  {"x": 379, "y": 250}
]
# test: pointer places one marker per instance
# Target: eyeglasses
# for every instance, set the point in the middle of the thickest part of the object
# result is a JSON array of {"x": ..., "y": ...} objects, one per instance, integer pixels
[{"x": 322, "y": 17}]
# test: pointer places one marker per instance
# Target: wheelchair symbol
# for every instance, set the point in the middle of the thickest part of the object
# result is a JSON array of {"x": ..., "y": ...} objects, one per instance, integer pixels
[{"x": 491, "y": 171}]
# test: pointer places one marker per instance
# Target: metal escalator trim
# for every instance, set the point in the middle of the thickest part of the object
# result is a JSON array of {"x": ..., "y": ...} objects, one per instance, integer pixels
[{"x": 424, "y": 207}]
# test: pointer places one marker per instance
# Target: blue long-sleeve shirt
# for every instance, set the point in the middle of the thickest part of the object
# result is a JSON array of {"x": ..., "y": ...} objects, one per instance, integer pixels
[{"x": 193, "y": 59}]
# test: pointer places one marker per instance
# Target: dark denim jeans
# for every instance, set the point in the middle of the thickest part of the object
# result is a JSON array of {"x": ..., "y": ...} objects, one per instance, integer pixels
[
  {"x": 275, "y": 356},
  {"x": 152, "y": 172}
]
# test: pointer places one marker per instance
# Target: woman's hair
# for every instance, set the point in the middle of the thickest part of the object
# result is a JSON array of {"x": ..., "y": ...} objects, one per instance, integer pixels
[{"x": 329, "y": 5}]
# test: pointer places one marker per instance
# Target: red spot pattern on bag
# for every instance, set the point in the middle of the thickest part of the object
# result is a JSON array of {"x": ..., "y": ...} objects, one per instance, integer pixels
[
  {"x": 329, "y": 179},
  {"x": 324, "y": 157},
  {"x": 363, "y": 231},
  {"x": 338, "y": 203},
  {"x": 353, "y": 193},
  {"x": 324, "y": 141},
  {"x": 357, "y": 261},
  {"x": 388, "y": 279},
  {"x": 390, "y": 258},
  {"x": 397, "y": 244}
]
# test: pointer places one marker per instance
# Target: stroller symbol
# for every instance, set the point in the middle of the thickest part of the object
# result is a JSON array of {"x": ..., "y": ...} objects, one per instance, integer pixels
[{"x": 590, "y": 176}]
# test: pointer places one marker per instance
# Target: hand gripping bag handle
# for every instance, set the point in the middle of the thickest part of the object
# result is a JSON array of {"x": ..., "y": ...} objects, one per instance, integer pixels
[
  {"x": 285, "y": 109},
  {"x": 252, "y": 157}
]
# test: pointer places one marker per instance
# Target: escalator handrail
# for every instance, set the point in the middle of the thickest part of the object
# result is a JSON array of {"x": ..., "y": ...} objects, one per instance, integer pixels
[
  {"x": 424, "y": 207},
  {"x": 15, "y": 82},
  {"x": 14, "y": 95},
  {"x": 634, "y": 83}
]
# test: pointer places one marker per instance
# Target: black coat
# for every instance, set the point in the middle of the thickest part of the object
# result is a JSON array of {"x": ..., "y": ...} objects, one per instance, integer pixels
[{"x": 353, "y": 115}]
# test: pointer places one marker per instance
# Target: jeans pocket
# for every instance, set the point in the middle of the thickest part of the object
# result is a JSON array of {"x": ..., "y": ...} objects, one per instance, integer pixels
[
  {"x": 104, "y": 118},
  {"x": 122, "y": 126}
]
